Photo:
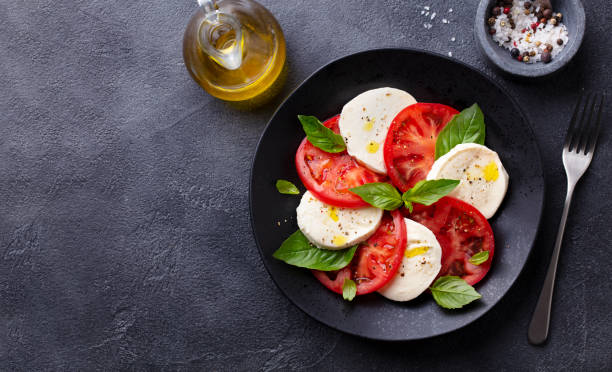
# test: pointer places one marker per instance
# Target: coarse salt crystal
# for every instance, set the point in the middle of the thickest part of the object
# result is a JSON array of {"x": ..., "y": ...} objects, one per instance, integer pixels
[
  {"x": 450, "y": 10},
  {"x": 450, "y": 54},
  {"x": 426, "y": 7},
  {"x": 453, "y": 38},
  {"x": 422, "y": 12},
  {"x": 433, "y": 15},
  {"x": 444, "y": 20}
]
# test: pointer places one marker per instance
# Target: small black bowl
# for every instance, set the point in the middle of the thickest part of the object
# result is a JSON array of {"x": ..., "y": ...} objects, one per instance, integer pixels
[{"x": 573, "y": 18}]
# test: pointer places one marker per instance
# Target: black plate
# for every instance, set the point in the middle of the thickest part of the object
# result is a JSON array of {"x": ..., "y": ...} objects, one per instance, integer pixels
[{"x": 429, "y": 78}]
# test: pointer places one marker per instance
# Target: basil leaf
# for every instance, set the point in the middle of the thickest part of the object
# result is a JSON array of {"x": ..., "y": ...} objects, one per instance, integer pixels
[
  {"x": 466, "y": 127},
  {"x": 286, "y": 187},
  {"x": 379, "y": 194},
  {"x": 349, "y": 289},
  {"x": 427, "y": 192},
  {"x": 298, "y": 251},
  {"x": 479, "y": 258},
  {"x": 452, "y": 292},
  {"x": 320, "y": 136},
  {"x": 408, "y": 205}
]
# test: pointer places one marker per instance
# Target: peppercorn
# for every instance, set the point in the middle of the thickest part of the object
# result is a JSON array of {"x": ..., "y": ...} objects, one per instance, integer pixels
[
  {"x": 491, "y": 21},
  {"x": 492, "y": 31},
  {"x": 526, "y": 12},
  {"x": 546, "y": 56},
  {"x": 547, "y": 13},
  {"x": 559, "y": 41},
  {"x": 553, "y": 21},
  {"x": 506, "y": 10},
  {"x": 520, "y": 58},
  {"x": 559, "y": 17},
  {"x": 543, "y": 20},
  {"x": 549, "y": 47},
  {"x": 534, "y": 25},
  {"x": 525, "y": 54},
  {"x": 539, "y": 14},
  {"x": 496, "y": 11},
  {"x": 532, "y": 53},
  {"x": 527, "y": 5},
  {"x": 525, "y": 58},
  {"x": 515, "y": 52},
  {"x": 512, "y": 24}
]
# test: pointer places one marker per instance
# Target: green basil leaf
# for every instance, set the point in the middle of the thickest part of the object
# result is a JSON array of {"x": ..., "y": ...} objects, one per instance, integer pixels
[
  {"x": 349, "y": 289},
  {"x": 408, "y": 205},
  {"x": 479, "y": 258},
  {"x": 286, "y": 187},
  {"x": 466, "y": 127},
  {"x": 320, "y": 136},
  {"x": 379, "y": 194},
  {"x": 452, "y": 292},
  {"x": 427, "y": 192},
  {"x": 298, "y": 251}
]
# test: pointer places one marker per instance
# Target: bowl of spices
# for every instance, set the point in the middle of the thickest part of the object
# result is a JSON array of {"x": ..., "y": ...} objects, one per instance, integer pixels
[{"x": 529, "y": 38}]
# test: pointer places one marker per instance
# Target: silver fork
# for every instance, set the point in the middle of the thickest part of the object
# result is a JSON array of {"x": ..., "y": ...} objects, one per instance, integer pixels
[{"x": 578, "y": 151}]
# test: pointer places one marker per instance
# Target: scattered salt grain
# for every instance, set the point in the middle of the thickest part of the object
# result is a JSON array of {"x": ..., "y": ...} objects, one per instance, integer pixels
[
  {"x": 444, "y": 20},
  {"x": 426, "y": 7},
  {"x": 426, "y": 14},
  {"x": 453, "y": 38},
  {"x": 427, "y": 25},
  {"x": 433, "y": 15},
  {"x": 422, "y": 12},
  {"x": 450, "y": 10},
  {"x": 450, "y": 54}
]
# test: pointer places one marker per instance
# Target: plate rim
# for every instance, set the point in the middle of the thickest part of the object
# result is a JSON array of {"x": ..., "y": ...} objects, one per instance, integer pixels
[{"x": 429, "y": 53}]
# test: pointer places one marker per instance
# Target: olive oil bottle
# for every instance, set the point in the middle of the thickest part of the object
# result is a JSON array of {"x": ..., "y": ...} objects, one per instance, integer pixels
[{"x": 235, "y": 50}]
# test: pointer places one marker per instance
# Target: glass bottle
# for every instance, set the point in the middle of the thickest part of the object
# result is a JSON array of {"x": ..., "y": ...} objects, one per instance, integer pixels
[{"x": 235, "y": 50}]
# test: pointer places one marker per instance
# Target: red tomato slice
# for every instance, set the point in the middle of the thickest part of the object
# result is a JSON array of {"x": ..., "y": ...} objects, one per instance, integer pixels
[
  {"x": 330, "y": 176},
  {"x": 376, "y": 260},
  {"x": 410, "y": 145},
  {"x": 462, "y": 232}
]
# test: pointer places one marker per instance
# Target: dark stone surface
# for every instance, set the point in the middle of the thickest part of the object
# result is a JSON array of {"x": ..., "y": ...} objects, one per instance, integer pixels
[{"x": 125, "y": 240}]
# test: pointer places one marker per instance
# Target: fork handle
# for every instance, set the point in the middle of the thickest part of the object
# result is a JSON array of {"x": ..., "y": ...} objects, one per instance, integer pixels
[{"x": 540, "y": 320}]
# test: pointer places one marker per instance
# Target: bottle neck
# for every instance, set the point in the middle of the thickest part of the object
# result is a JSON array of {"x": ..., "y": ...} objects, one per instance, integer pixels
[{"x": 220, "y": 35}]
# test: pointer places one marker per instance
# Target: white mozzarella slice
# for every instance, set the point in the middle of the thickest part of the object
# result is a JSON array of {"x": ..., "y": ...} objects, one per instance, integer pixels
[
  {"x": 421, "y": 264},
  {"x": 332, "y": 227},
  {"x": 364, "y": 123},
  {"x": 484, "y": 181}
]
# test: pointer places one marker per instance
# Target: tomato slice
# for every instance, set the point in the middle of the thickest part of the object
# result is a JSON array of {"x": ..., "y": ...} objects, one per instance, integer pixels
[
  {"x": 376, "y": 260},
  {"x": 462, "y": 231},
  {"x": 410, "y": 145},
  {"x": 330, "y": 176}
]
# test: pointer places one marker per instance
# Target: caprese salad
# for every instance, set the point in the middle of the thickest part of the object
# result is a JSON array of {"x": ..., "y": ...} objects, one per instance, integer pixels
[{"x": 397, "y": 201}]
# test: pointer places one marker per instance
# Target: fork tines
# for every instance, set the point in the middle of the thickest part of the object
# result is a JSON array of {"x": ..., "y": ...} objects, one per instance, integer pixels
[{"x": 584, "y": 127}]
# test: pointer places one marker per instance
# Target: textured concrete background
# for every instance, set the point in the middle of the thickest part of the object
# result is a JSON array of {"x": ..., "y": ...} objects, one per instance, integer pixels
[{"x": 124, "y": 230}]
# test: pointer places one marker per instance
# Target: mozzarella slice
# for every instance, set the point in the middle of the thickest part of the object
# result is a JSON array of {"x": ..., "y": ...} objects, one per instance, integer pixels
[
  {"x": 421, "y": 264},
  {"x": 332, "y": 227},
  {"x": 364, "y": 123},
  {"x": 484, "y": 181}
]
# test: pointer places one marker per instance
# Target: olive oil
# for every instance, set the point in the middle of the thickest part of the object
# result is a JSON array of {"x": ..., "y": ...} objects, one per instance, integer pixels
[{"x": 236, "y": 54}]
